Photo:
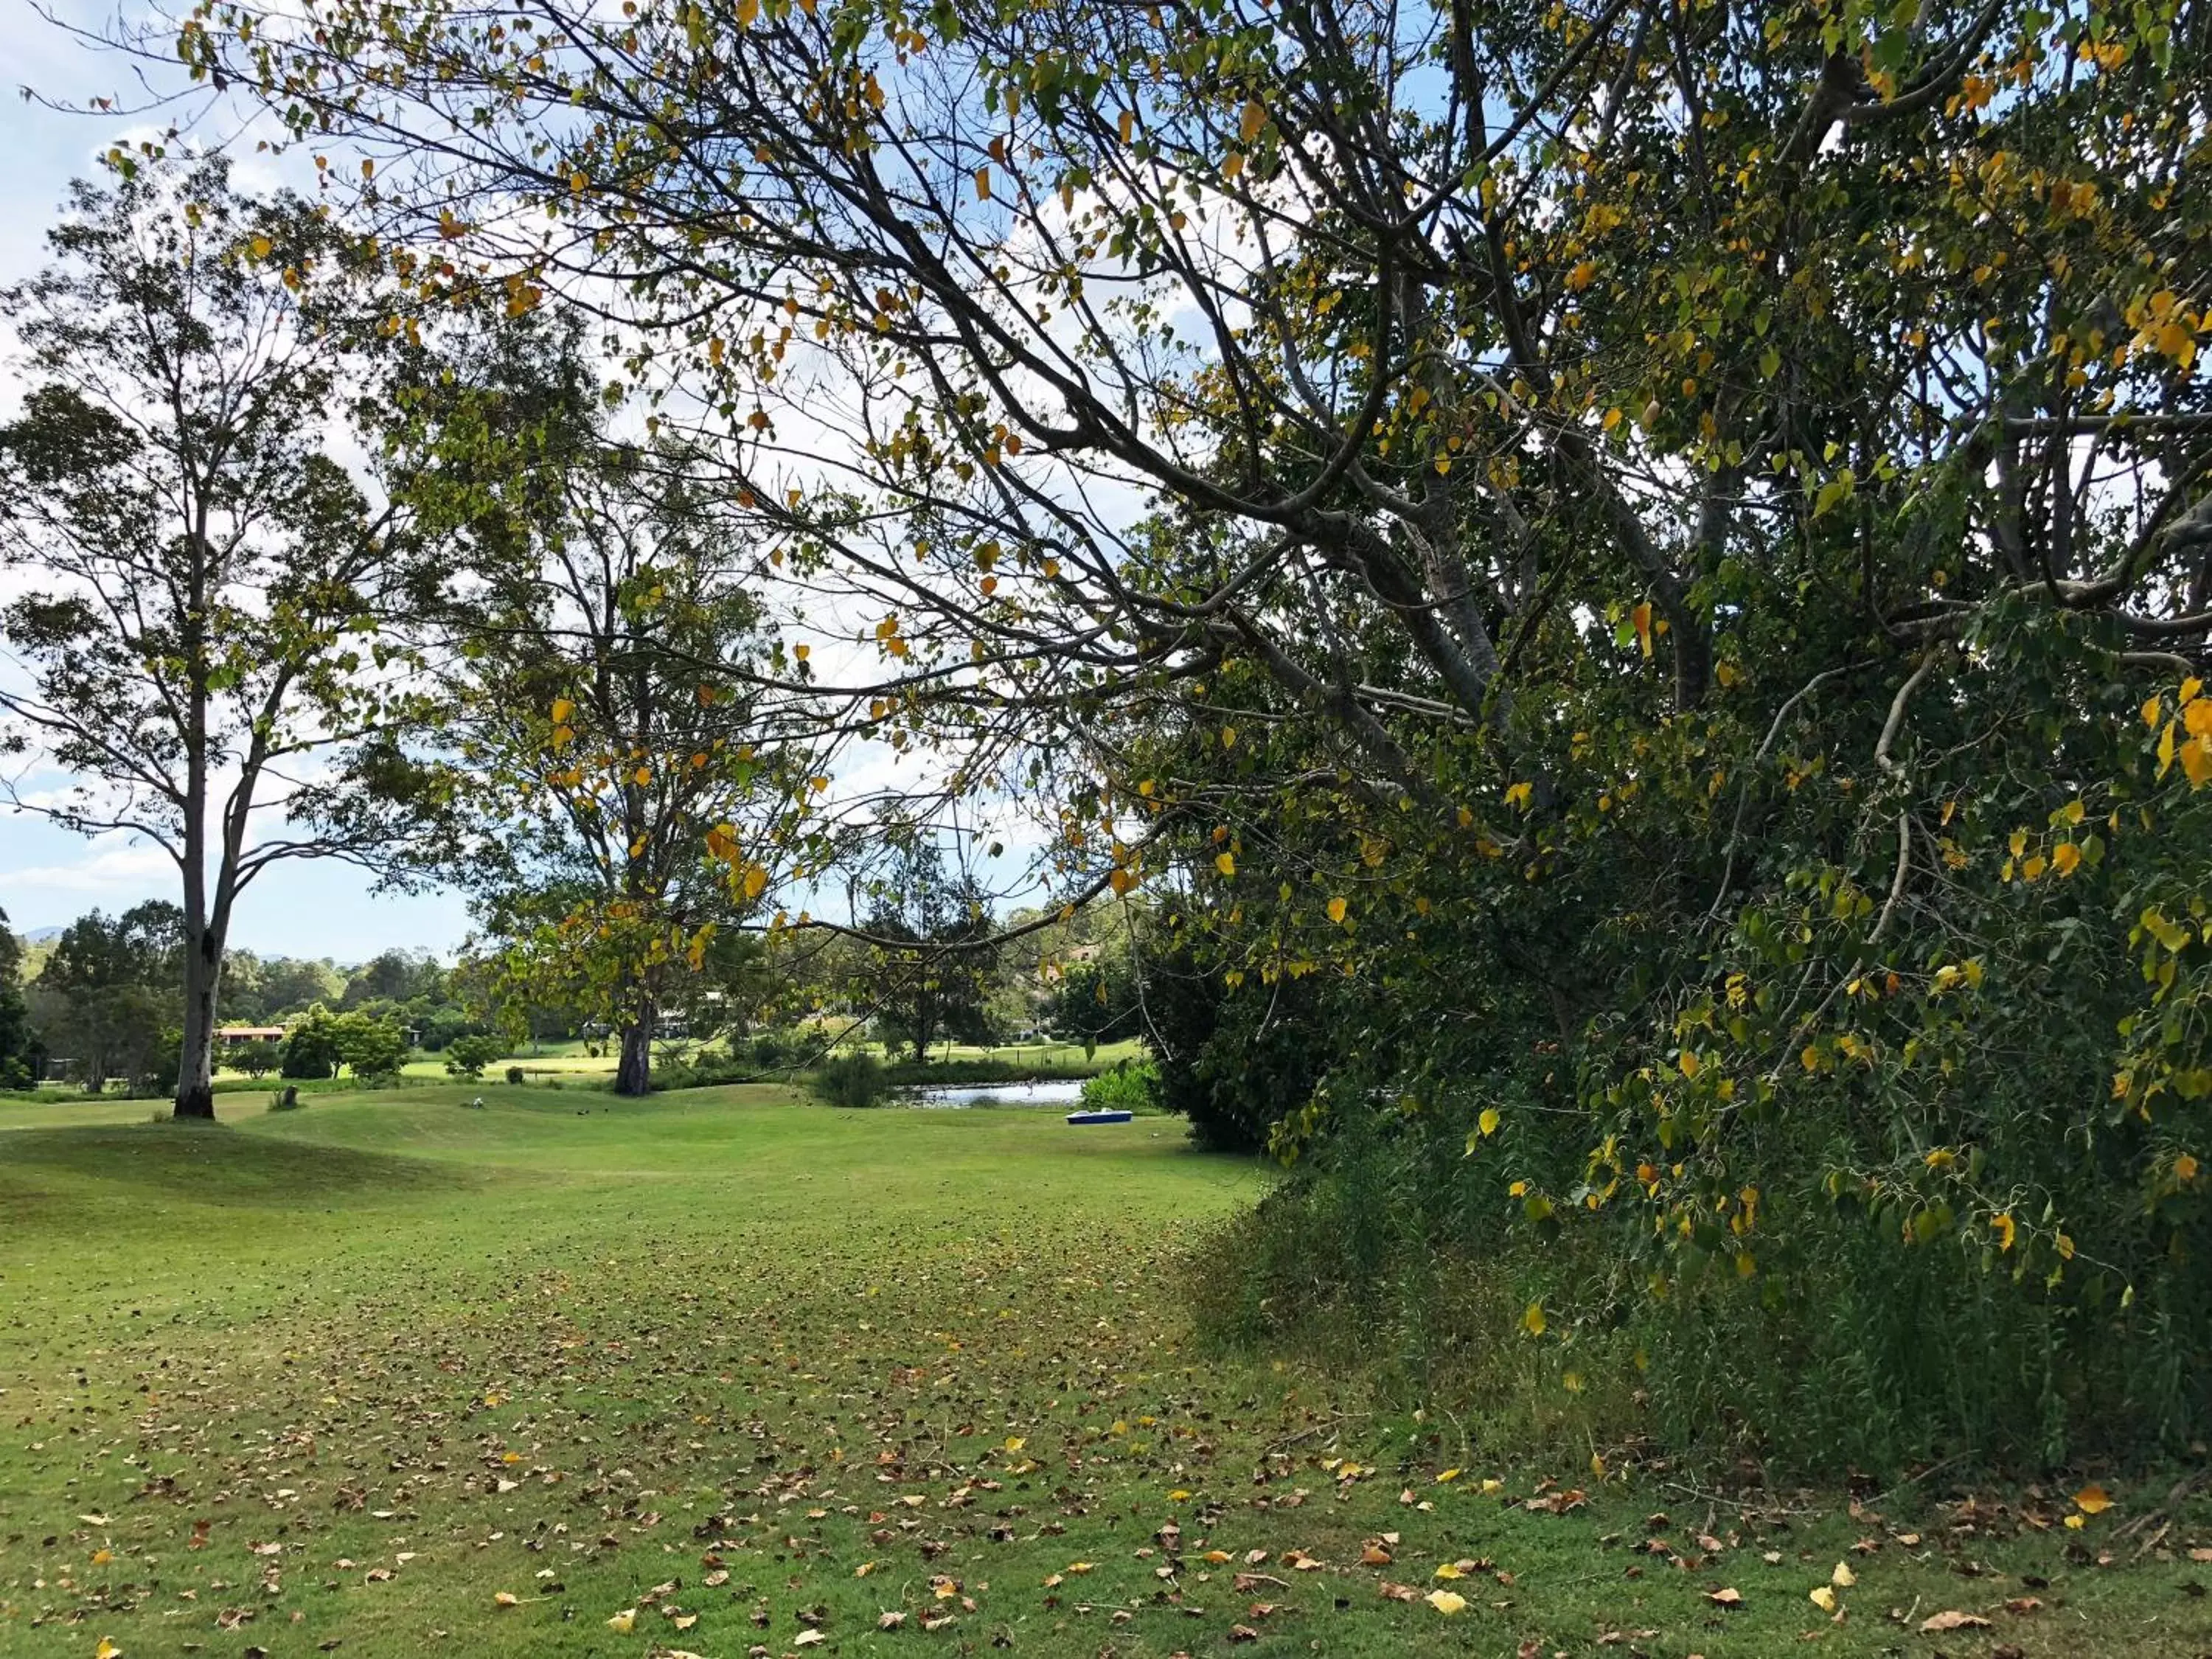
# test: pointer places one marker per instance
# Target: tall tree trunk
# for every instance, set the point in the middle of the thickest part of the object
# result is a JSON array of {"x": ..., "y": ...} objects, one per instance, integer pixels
[
  {"x": 634, "y": 1071},
  {"x": 195, "y": 1062}
]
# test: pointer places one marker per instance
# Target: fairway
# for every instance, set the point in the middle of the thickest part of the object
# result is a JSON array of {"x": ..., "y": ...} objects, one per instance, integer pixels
[{"x": 725, "y": 1374}]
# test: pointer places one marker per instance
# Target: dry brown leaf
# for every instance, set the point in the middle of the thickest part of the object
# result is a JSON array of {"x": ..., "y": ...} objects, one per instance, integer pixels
[{"x": 1950, "y": 1619}]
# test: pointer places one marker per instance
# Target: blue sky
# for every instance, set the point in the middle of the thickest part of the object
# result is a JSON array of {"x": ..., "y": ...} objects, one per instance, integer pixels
[{"x": 48, "y": 877}]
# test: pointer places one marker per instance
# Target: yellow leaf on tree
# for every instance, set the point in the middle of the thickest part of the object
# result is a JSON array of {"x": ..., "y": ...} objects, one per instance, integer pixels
[
  {"x": 983, "y": 184},
  {"x": 2066, "y": 858},
  {"x": 1224, "y": 863},
  {"x": 1690, "y": 1063},
  {"x": 563, "y": 708},
  {"x": 2185, "y": 1168},
  {"x": 755, "y": 881},
  {"x": 1336, "y": 909},
  {"x": 1533, "y": 1321},
  {"x": 2197, "y": 761},
  {"x": 1253, "y": 121},
  {"x": 2152, "y": 711},
  {"x": 2005, "y": 1230},
  {"x": 1488, "y": 1122}
]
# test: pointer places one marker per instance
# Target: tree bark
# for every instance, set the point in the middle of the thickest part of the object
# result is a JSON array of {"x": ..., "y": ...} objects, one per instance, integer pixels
[
  {"x": 196, "y": 1059},
  {"x": 634, "y": 1071}
]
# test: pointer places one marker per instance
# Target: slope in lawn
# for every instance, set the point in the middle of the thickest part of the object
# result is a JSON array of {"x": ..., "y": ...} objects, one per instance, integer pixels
[{"x": 734, "y": 1373}]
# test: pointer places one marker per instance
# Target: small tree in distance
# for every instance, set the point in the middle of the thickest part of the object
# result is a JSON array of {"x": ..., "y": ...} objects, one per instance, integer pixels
[
  {"x": 467, "y": 1056},
  {"x": 928, "y": 971},
  {"x": 257, "y": 1059}
]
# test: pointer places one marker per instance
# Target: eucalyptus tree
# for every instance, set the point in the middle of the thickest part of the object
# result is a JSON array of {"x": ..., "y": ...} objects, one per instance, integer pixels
[{"x": 203, "y": 589}]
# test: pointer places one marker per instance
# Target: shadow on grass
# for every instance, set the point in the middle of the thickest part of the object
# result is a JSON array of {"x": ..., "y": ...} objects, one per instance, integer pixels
[{"x": 213, "y": 1164}]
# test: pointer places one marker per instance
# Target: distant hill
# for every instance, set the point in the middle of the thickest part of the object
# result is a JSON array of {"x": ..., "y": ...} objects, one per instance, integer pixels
[{"x": 41, "y": 935}]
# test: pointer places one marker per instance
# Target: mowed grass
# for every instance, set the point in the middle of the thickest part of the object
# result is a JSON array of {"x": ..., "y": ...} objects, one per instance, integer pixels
[{"x": 390, "y": 1376}]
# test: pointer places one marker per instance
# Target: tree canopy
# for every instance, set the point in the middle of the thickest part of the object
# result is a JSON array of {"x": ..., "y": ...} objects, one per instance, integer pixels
[{"x": 1632, "y": 579}]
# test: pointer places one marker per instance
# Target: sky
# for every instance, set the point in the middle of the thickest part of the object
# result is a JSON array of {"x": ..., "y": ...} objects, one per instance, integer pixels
[{"x": 49, "y": 877}]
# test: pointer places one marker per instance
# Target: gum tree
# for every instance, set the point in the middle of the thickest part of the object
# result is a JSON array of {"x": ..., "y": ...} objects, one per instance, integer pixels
[{"x": 202, "y": 588}]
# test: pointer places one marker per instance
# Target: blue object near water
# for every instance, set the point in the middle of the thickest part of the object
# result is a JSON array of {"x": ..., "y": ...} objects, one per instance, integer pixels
[{"x": 1098, "y": 1117}]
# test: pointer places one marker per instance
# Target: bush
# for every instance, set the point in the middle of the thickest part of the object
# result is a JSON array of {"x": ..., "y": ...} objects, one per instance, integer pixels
[
  {"x": 515, "y": 1074},
  {"x": 311, "y": 1047},
  {"x": 850, "y": 1080},
  {"x": 467, "y": 1056},
  {"x": 1125, "y": 1088},
  {"x": 285, "y": 1100},
  {"x": 257, "y": 1059}
]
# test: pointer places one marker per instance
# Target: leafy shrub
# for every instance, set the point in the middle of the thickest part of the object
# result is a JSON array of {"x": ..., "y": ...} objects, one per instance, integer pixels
[
  {"x": 850, "y": 1080},
  {"x": 467, "y": 1056},
  {"x": 256, "y": 1058},
  {"x": 285, "y": 1100},
  {"x": 515, "y": 1074},
  {"x": 1123, "y": 1088},
  {"x": 311, "y": 1047}
]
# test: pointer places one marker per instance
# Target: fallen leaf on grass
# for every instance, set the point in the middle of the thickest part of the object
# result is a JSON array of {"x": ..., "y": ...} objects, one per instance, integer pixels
[
  {"x": 1823, "y": 1598},
  {"x": 1398, "y": 1592},
  {"x": 2092, "y": 1500},
  {"x": 1726, "y": 1598},
  {"x": 1842, "y": 1577},
  {"x": 890, "y": 1620},
  {"x": 807, "y": 1638},
  {"x": 106, "y": 1650},
  {"x": 1446, "y": 1602},
  {"x": 623, "y": 1622},
  {"x": 506, "y": 1599},
  {"x": 1950, "y": 1619}
]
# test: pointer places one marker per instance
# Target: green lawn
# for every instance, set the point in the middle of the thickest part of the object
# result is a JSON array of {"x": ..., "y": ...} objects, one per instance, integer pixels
[{"x": 750, "y": 1376}]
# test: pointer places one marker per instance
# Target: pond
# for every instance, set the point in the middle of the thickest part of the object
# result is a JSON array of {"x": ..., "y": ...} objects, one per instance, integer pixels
[{"x": 957, "y": 1096}]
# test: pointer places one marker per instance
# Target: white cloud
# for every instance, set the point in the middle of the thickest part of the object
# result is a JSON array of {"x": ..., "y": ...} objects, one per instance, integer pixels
[{"x": 113, "y": 868}]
